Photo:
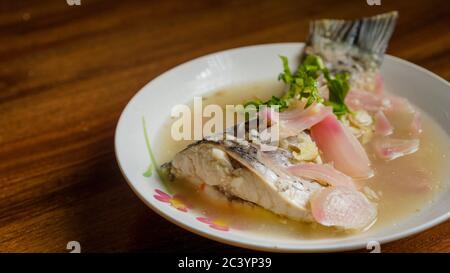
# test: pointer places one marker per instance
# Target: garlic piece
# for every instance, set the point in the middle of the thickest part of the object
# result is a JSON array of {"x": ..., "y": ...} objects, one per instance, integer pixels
[
  {"x": 303, "y": 148},
  {"x": 360, "y": 119}
]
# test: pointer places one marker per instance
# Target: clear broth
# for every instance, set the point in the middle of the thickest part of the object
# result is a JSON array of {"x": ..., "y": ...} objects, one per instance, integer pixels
[{"x": 404, "y": 186}]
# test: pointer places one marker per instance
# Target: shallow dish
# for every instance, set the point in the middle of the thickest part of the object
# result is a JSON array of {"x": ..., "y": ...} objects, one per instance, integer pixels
[{"x": 245, "y": 65}]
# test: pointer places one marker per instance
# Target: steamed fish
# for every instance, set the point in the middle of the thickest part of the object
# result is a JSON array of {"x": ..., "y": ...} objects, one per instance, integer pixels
[
  {"x": 237, "y": 169},
  {"x": 292, "y": 180}
]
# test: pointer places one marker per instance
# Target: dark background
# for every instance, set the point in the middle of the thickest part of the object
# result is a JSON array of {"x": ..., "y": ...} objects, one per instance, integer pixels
[{"x": 66, "y": 73}]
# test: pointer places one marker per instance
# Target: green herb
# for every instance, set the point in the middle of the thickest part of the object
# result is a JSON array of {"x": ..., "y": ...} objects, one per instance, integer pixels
[
  {"x": 338, "y": 87},
  {"x": 149, "y": 171},
  {"x": 153, "y": 165},
  {"x": 302, "y": 85},
  {"x": 274, "y": 101}
]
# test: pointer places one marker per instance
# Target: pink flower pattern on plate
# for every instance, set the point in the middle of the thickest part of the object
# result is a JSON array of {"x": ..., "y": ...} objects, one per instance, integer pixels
[
  {"x": 214, "y": 223},
  {"x": 175, "y": 201}
]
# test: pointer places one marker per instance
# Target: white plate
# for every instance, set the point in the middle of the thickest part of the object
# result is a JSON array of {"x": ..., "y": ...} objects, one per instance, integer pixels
[{"x": 245, "y": 65}]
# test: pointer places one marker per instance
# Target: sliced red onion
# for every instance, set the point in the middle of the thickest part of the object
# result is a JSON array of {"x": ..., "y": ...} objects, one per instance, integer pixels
[
  {"x": 268, "y": 114},
  {"x": 379, "y": 84},
  {"x": 416, "y": 124},
  {"x": 399, "y": 105},
  {"x": 363, "y": 100},
  {"x": 322, "y": 173},
  {"x": 294, "y": 121},
  {"x": 340, "y": 146},
  {"x": 342, "y": 207},
  {"x": 391, "y": 148},
  {"x": 382, "y": 125},
  {"x": 299, "y": 112}
]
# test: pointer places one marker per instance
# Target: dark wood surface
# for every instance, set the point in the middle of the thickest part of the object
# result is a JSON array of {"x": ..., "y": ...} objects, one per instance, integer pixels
[{"x": 66, "y": 73}]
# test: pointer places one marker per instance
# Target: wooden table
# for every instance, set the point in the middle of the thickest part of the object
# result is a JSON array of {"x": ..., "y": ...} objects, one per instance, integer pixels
[{"x": 67, "y": 72}]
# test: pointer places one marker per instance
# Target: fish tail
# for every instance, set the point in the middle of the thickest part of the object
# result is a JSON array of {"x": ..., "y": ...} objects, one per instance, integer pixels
[
  {"x": 354, "y": 46},
  {"x": 371, "y": 34}
]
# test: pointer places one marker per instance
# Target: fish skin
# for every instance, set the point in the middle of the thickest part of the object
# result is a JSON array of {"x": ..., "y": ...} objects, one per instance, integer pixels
[{"x": 246, "y": 177}]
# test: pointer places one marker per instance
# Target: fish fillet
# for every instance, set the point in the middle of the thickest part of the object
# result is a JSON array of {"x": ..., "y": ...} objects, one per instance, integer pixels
[{"x": 236, "y": 169}]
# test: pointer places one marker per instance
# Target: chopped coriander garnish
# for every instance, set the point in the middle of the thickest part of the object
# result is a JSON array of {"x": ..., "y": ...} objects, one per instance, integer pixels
[
  {"x": 274, "y": 101},
  {"x": 302, "y": 85},
  {"x": 338, "y": 87}
]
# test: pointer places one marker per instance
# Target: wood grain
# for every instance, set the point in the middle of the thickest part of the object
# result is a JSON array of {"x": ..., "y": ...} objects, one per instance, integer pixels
[{"x": 67, "y": 72}]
